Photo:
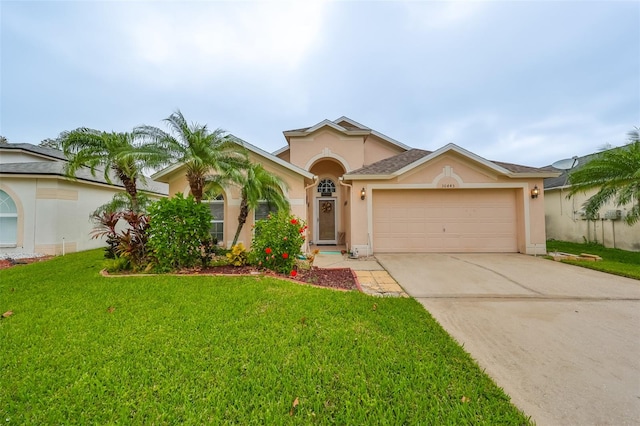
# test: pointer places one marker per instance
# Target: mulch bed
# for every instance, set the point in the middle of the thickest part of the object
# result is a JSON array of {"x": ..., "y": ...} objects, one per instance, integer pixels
[
  {"x": 336, "y": 278},
  {"x": 8, "y": 263}
]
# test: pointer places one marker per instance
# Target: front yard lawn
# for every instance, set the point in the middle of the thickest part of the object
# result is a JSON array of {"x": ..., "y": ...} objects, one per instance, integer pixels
[
  {"x": 614, "y": 261},
  {"x": 81, "y": 348}
]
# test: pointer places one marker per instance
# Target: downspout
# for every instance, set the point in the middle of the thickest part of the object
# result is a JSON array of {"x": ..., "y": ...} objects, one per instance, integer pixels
[
  {"x": 306, "y": 196},
  {"x": 341, "y": 181}
]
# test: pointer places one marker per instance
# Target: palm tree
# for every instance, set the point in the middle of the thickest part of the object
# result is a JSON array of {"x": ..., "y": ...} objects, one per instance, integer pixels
[
  {"x": 616, "y": 175},
  {"x": 259, "y": 185},
  {"x": 204, "y": 153},
  {"x": 112, "y": 152}
]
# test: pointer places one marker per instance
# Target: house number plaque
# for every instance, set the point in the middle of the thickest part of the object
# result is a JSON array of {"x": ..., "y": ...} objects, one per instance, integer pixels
[{"x": 448, "y": 185}]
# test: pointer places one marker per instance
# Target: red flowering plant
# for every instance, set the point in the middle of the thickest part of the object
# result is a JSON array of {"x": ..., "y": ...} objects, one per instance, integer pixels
[{"x": 277, "y": 242}]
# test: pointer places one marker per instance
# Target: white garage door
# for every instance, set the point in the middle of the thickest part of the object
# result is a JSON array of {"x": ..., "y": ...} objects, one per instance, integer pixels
[{"x": 456, "y": 220}]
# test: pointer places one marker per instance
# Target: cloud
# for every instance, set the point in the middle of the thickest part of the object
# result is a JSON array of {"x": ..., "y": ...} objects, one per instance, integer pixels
[
  {"x": 553, "y": 138},
  {"x": 213, "y": 40}
]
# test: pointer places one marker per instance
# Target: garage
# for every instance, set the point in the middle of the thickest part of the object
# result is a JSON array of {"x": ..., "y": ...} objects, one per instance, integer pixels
[{"x": 445, "y": 220}]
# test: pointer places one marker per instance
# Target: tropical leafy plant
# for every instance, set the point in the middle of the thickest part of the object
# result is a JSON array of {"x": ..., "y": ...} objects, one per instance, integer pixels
[
  {"x": 106, "y": 223},
  {"x": 259, "y": 185},
  {"x": 122, "y": 202},
  {"x": 277, "y": 242},
  {"x": 238, "y": 255},
  {"x": 128, "y": 245},
  {"x": 179, "y": 232},
  {"x": 209, "y": 156},
  {"x": 616, "y": 175},
  {"x": 112, "y": 153},
  {"x": 133, "y": 241}
]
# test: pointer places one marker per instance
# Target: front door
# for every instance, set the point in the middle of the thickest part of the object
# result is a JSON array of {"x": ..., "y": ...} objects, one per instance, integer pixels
[{"x": 326, "y": 221}]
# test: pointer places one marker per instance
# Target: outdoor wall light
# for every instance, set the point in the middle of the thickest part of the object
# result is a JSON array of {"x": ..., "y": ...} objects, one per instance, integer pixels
[
  {"x": 362, "y": 193},
  {"x": 535, "y": 192}
]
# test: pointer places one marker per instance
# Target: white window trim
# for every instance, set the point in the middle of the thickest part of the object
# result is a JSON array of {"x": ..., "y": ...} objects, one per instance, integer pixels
[
  {"x": 9, "y": 244},
  {"x": 219, "y": 200}
]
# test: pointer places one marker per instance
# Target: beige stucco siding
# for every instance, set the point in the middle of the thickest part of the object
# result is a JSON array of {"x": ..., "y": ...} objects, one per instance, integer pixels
[
  {"x": 348, "y": 150},
  {"x": 375, "y": 149},
  {"x": 565, "y": 221},
  {"x": 285, "y": 155},
  {"x": 295, "y": 192}
]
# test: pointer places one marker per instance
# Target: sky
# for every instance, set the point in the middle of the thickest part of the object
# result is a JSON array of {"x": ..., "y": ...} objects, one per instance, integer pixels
[{"x": 527, "y": 82}]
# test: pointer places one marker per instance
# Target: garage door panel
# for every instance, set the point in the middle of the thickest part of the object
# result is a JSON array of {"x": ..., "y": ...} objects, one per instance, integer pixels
[{"x": 444, "y": 220}]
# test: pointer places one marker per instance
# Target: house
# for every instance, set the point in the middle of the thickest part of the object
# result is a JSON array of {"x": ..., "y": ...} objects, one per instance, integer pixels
[
  {"x": 44, "y": 211},
  {"x": 567, "y": 220},
  {"x": 361, "y": 188}
]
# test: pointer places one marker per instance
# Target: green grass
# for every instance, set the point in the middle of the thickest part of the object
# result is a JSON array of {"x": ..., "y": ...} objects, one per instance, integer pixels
[
  {"x": 198, "y": 350},
  {"x": 614, "y": 261}
]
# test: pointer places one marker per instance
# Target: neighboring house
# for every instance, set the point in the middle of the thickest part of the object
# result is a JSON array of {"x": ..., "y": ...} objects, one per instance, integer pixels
[
  {"x": 358, "y": 187},
  {"x": 566, "y": 219},
  {"x": 44, "y": 211}
]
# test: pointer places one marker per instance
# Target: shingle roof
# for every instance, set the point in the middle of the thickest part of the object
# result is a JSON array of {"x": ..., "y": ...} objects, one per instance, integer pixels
[
  {"x": 391, "y": 164},
  {"x": 56, "y": 168},
  {"x": 397, "y": 162},
  {"x": 346, "y": 125},
  {"x": 557, "y": 182},
  {"x": 519, "y": 168},
  {"x": 36, "y": 149}
]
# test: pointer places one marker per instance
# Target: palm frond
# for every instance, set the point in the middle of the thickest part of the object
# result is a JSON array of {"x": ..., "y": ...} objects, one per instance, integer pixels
[{"x": 615, "y": 174}]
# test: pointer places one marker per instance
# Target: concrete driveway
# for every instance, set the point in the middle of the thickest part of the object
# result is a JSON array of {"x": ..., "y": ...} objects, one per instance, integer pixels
[{"x": 562, "y": 341}]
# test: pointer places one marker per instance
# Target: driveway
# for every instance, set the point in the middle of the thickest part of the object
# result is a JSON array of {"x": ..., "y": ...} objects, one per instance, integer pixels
[{"x": 562, "y": 341}]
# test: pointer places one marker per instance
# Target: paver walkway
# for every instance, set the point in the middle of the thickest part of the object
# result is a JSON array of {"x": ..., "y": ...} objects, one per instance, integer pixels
[
  {"x": 373, "y": 278},
  {"x": 379, "y": 283}
]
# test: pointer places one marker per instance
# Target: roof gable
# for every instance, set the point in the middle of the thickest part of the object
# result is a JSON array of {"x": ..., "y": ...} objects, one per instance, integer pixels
[
  {"x": 250, "y": 147},
  {"x": 37, "y": 150},
  {"x": 409, "y": 160},
  {"x": 57, "y": 169},
  {"x": 346, "y": 126}
]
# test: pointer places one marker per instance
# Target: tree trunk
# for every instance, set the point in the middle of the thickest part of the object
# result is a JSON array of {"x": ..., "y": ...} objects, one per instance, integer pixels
[
  {"x": 130, "y": 187},
  {"x": 196, "y": 183},
  {"x": 242, "y": 219}
]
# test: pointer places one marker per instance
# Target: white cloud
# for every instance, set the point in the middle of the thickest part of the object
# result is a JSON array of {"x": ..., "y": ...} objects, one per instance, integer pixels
[
  {"x": 213, "y": 39},
  {"x": 554, "y": 138}
]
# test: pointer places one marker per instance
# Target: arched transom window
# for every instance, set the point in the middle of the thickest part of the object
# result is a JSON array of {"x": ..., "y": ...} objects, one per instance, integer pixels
[
  {"x": 8, "y": 220},
  {"x": 326, "y": 187}
]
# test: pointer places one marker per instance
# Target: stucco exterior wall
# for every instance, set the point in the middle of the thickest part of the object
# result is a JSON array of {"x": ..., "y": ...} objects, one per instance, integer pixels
[
  {"x": 348, "y": 150},
  {"x": 285, "y": 155},
  {"x": 564, "y": 221},
  {"x": 295, "y": 192},
  {"x": 375, "y": 150},
  {"x": 448, "y": 173},
  {"x": 53, "y": 214}
]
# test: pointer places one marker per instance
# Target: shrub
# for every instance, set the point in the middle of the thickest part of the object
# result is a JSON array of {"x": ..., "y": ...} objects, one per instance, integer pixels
[
  {"x": 132, "y": 244},
  {"x": 116, "y": 265},
  {"x": 277, "y": 242},
  {"x": 129, "y": 246},
  {"x": 179, "y": 232},
  {"x": 106, "y": 223},
  {"x": 238, "y": 255}
]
